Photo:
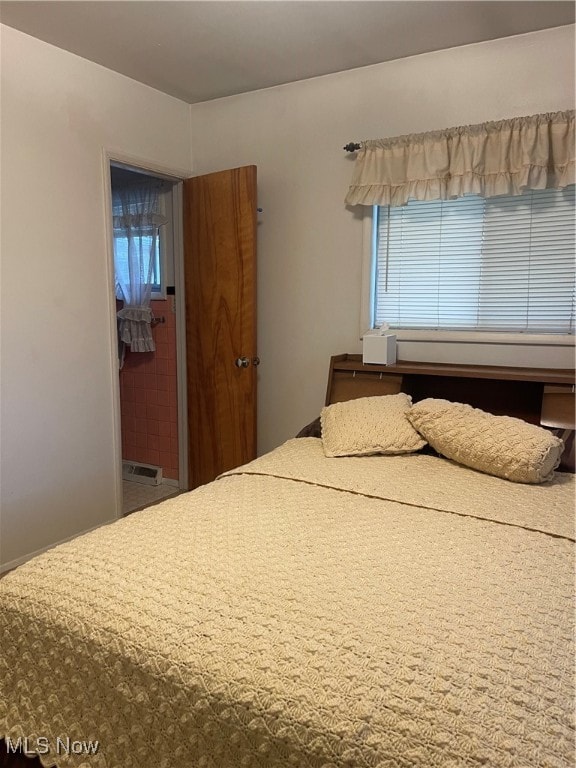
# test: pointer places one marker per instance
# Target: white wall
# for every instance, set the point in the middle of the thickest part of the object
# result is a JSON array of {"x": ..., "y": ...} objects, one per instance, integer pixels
[
  {"x": 310, "y": 244},
  {"x": 58, "y": 112}
]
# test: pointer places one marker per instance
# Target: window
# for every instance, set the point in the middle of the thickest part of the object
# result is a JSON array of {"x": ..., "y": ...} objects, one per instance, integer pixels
[
  {"x": 150, "y": 246},
  {"x": 147, "y": 202},
  {"x": 500, "y": 264}
]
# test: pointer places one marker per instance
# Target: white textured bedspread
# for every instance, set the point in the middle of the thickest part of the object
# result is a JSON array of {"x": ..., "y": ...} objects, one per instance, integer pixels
[{"x": 305, "y": 612}]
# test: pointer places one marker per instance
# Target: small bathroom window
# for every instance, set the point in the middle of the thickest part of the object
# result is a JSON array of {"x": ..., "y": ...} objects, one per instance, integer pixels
[
  {"x": 151, "y": 245},
  {"x": 151, "y": 233}
]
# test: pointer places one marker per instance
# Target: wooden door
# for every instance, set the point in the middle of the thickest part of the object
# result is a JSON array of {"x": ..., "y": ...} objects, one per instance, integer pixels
[{"x": 220, "y": 286}]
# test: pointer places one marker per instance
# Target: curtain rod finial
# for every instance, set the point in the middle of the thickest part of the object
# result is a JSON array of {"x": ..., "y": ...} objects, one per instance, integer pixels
[{"x": 352, "y": 147}]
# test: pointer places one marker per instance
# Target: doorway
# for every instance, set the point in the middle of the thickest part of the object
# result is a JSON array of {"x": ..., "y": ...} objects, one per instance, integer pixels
[
  {"x": 150, "y": 409},
  {"x": 212, "y": 302}
]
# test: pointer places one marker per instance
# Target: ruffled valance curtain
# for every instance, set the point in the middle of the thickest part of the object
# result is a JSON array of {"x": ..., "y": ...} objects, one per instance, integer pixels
[
  {"x": 498, "y": 158},
  {"x": 136, "y": 219}
]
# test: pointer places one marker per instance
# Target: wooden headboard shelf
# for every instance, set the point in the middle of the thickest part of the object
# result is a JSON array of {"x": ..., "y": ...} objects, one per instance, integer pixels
[{"x": 537, "y": 395}]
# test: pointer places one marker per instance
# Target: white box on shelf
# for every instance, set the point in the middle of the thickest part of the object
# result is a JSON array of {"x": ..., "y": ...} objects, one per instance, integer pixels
[{"x": 379, "y": 348}]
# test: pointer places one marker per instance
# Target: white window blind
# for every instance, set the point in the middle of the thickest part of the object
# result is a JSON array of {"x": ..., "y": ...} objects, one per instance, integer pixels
[{"x": 490, "y": 264}]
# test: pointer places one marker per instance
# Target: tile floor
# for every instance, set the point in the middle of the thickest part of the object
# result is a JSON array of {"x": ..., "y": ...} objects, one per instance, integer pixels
[{"x": 139, "y": 495}]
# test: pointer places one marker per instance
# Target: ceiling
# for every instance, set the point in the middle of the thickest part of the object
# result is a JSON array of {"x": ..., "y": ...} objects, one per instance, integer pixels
[{"x": 201, "y": 50}]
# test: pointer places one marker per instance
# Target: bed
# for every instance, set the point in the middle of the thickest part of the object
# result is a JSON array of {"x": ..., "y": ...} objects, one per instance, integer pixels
[{"x": 375, "y": 611}]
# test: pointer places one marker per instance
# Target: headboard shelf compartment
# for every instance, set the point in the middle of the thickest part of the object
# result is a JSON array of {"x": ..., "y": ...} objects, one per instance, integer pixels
[{"x": 537, "y": 395}]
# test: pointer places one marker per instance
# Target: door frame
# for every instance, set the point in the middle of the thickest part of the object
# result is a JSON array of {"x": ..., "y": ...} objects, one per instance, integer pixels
[{"x": 177, "y": 175}]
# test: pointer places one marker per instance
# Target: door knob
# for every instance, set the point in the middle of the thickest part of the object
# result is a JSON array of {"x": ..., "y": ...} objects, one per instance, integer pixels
[
  {"x": 242, "y": 362},
  {"x": 255, "y": 361}
]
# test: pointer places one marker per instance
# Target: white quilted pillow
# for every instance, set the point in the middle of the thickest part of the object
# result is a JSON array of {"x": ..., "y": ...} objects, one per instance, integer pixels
[
  {"x": 497, "y": 445},
  {"x": 369, "y": 425}
]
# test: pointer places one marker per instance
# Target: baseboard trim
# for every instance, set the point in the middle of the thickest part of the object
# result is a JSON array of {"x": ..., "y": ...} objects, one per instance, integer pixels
[{"x": 9, "y": 566}]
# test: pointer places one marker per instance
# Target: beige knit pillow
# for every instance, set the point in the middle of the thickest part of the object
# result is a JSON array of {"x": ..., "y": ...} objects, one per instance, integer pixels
[
  {"x": 498, "y": 445},
  {"x": 369, "y": 425}
]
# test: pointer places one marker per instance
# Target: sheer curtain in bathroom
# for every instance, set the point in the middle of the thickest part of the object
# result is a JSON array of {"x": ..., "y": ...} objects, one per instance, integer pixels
[{"x": 136, "y": 219}]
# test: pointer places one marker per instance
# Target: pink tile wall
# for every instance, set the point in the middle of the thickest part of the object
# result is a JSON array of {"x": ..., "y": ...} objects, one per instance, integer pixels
[{"x": 148, "y": 396}]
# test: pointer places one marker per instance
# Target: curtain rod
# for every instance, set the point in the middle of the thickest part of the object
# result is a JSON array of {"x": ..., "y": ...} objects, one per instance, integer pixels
[{"x": 352, "y": 147}]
